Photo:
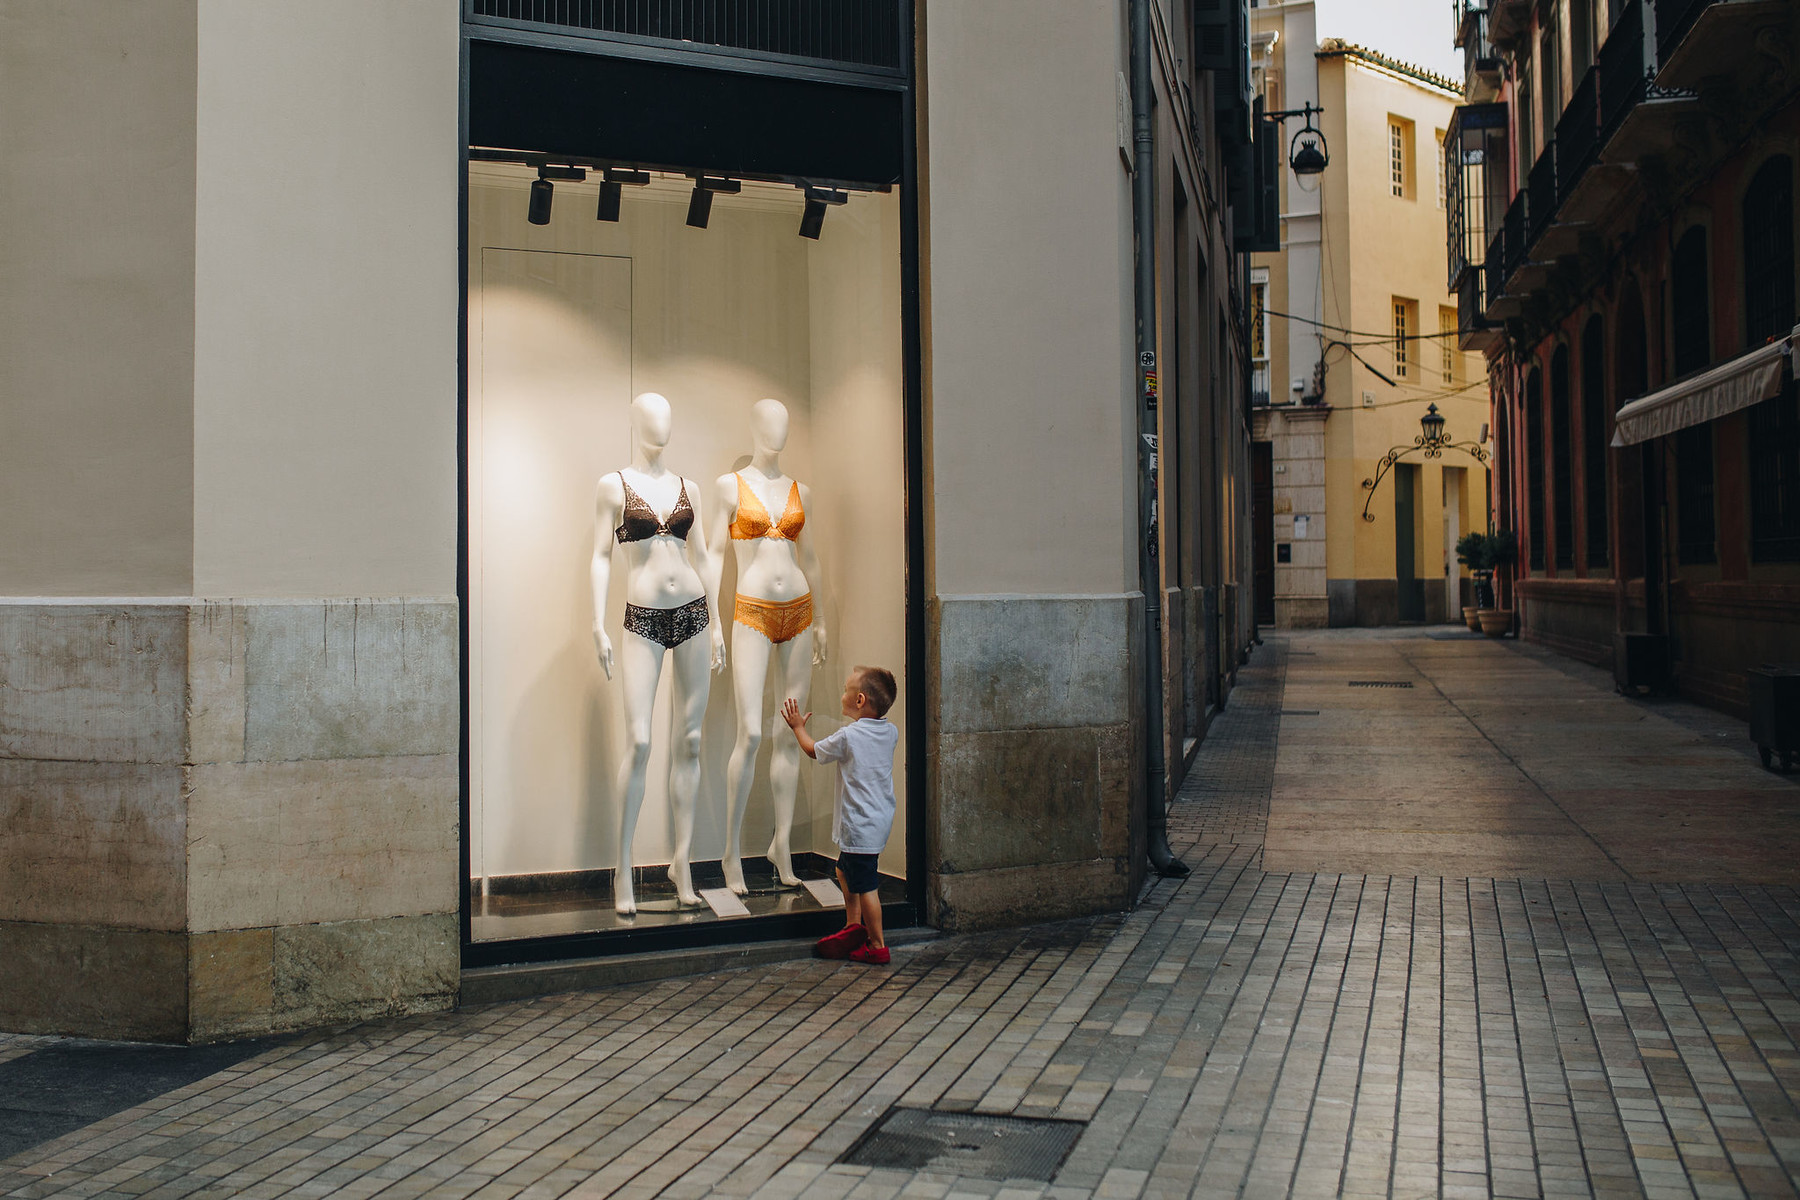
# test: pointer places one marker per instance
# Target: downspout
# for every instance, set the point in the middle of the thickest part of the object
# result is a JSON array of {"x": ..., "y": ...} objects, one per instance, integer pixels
[{"x": 1143, "y": 202}]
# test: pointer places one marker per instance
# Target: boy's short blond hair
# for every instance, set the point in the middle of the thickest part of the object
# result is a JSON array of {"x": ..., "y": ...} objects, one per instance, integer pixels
[{"x": 878, "y": 687}]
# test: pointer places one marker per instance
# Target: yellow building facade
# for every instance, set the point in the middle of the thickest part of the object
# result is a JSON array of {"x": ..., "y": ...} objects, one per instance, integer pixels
[{"x": 1353, "y": 342}]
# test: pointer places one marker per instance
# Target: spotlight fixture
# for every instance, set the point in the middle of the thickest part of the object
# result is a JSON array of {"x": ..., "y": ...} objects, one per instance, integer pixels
[
  {"x": 543, "y": 192},
  {"x": 700, "y": 203},
  {"x": 612, "y": 190},
  {"x": 812, "y": 218}
]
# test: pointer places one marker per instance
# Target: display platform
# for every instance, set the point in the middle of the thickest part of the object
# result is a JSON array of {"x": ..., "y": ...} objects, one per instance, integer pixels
[{"x": 540, "y": 907}]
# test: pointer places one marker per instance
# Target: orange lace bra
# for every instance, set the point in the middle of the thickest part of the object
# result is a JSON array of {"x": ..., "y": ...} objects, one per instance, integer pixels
[{"x": 752, "y": 520}]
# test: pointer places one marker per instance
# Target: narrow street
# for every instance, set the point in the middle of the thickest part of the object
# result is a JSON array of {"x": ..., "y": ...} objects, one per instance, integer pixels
[{"x": 1461, "y": 922}]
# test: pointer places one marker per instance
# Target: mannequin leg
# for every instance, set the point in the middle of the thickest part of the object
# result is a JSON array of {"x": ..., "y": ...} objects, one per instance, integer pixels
[
  {"x": 749, "y": 668},
  {"x": 640, "y": 662},
  {"x": 795, "y": 667},
  {"x": 692, "y": 677}
]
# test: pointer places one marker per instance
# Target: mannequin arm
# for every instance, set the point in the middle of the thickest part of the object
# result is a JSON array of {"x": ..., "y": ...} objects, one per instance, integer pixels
[
  {"x": 815, "y": 578},
  {"x": 609, "y": 498},
  {"x": 700, "y": 556}
]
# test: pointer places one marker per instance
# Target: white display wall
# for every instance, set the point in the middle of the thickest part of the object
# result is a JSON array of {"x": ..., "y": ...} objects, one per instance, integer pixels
[{"x": 569, "y": 321}]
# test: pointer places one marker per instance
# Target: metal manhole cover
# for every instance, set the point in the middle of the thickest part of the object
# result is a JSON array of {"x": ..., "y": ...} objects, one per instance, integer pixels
[
  {"x": 1400, "y": 683},
  {"x": 973, "y": 1144}
]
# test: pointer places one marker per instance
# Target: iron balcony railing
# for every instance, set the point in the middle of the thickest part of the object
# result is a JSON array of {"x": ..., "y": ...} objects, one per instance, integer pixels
[
  {"x": 1673, "y": 20},
  {"x": 1540, "y": 209},
  {"x": 1515, "y": 234},
  {"x": 1577, "y": 140},
  {"x": 1495, "y": 267},
  {"x": 1624, "y": 73}
]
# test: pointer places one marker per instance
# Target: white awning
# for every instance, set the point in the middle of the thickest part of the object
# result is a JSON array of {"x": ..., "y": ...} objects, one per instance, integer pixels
[{"x": 1745, "y": 380}]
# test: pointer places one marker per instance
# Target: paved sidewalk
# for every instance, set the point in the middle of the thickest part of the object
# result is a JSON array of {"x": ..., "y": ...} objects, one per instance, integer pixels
[{"x": 1243, "y": 1032}]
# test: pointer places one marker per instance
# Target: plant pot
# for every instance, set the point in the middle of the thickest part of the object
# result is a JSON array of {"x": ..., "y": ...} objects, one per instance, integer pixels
[
  {"x": 1496, "y": 622},
  {"x": 1472, "y": 619}
]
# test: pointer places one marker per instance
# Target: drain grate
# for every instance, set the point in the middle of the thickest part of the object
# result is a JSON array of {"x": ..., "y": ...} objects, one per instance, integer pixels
[
  {"x": 1299, "y": 712},
  {"x": 972, "y": 1144},
  {"x": 1400, "y": 683}
]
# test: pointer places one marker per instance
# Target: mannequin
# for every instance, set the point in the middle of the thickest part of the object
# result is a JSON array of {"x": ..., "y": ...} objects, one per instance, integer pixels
[
  {"x": 650, "y": 517},
  {"x": 761, "y": 514}
]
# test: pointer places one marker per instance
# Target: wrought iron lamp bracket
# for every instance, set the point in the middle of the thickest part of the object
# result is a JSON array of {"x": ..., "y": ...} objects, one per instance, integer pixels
[{"x": 1426, "y": 447}]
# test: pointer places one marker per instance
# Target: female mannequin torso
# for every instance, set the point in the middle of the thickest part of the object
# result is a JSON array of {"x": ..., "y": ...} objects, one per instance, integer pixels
[
  {"x": 776, "y": 623},
  {"x": 649, "y": 517}
]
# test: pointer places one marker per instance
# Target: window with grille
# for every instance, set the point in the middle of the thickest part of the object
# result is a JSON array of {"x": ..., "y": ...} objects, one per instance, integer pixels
[
  {"x": 1697, "y": 540},
  {"x": 1769, "y": 252},
  {"x": 1534, "y": 468},
  {"x": 1775, "y": 479},
  {"x": 1397, "y": 156},
  {"x": 1443, "y": 175},
  {"x": 1562, "y": 439},
  {"x": 1447, "y": 352},
  {"x": 1259, "y": 341},
  {"x": 1689, "y": 311},
  {"x": 1404, "y": 328},
  {"x": 1594, "y": 437}
]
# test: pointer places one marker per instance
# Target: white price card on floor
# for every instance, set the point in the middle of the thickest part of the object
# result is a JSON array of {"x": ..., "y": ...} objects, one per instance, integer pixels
[
  {"x": 826, "y": 893},
  {"x": 723, "y": 902}
]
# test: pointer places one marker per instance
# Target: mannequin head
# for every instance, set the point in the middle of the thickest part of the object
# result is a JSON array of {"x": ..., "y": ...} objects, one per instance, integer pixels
[
  {"x": 651, "y": 421},
  {"x": 768, "y": 426}
]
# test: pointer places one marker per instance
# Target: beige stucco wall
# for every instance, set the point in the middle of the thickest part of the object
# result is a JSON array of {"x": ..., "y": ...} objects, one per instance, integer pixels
[
  {"x": 1029, "y": 300},
  {"x": 96, "y": 297},
  {"x": 325, "y": 299}
]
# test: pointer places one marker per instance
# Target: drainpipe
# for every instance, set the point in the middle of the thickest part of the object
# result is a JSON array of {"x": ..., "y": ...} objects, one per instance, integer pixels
[{"x": 1143, "y": 204}]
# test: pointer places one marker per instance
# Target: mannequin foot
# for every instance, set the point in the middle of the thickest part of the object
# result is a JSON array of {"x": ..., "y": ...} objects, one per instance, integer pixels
[
  {"x": 683, "y": 879},
  {"x": 783, "y": 862},
  {"x": 734, "y": 875},
  {"x": 624, "y": 900}
]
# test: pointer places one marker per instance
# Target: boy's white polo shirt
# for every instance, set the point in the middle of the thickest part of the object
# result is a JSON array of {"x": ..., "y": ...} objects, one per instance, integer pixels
[{"x": 864, "y": 814}]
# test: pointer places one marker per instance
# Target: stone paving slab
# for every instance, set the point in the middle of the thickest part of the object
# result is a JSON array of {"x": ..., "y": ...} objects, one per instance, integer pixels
[{"x": 1244, "y": 1032}]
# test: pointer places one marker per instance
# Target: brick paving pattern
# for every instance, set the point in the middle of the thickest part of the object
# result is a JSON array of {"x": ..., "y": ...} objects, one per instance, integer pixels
[{"x": 1240, "y": 1033}]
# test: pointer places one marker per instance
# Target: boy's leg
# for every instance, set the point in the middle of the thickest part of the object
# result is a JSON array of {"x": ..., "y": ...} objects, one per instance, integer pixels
[
  {"x": 870, "y": 903},
  {"x": 852, "y": 902}
]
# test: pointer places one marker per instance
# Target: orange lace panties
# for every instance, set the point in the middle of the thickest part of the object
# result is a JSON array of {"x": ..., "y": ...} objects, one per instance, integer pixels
[{"x": 778, "y": 620}]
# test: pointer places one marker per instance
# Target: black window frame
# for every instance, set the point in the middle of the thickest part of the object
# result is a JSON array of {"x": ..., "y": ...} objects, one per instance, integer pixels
[
  {"x": 1594, "y": 440},
  {"x": 1768, "y": 242},
  {"x": 1562, "y": 447},
  {"x": 1773, "y": 429},
  {"x": 1534, "y": 468},
  {"x": 1696, "y": 514}
]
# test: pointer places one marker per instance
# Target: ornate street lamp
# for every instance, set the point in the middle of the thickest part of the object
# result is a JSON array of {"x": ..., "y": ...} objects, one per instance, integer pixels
[
  {"x": 1431, "y": 443},
  {"x": 1307, "y": 152}
]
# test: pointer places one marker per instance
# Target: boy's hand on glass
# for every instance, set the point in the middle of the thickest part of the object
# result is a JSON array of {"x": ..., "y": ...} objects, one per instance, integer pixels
[{"x": 790, "y": 712}]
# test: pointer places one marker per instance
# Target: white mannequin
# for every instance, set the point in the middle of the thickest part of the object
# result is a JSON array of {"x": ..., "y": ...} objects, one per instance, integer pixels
[
  {"x": 662, "y": 572},
  {"x": 776, "y": 570}
]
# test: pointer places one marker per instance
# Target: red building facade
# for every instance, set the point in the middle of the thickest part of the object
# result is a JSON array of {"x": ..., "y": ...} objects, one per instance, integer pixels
[{"x": 1623, "y": 246}]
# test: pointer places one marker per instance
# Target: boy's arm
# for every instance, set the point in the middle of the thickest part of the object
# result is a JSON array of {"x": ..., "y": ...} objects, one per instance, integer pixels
[{"x": 790, "y": 712}]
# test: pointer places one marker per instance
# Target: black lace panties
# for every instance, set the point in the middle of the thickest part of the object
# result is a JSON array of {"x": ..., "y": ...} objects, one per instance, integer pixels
[{"x": 668, "y": 627}]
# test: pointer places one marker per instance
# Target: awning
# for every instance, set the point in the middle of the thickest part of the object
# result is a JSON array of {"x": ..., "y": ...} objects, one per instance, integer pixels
[{"x": 1745, "y": 380}]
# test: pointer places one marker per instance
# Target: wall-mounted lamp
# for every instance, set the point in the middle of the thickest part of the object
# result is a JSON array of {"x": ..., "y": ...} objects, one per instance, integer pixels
[{"x": 1308, "y": 153}]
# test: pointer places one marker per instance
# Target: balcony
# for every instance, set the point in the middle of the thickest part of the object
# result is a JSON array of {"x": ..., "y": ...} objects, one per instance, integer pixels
[
  {"x": 1494, "y": 271},
  {"x": 1474, "y": 181},
  {"x": 1698, "y": 41},
  {"x": 1509, "y": 20},
  {"x": 1577, "y": 141},
  {"x": 1514, "y": 228},
  {"x": 1482, "y": 68},
  {"x": 1624, "y": 71},
  {"x": 1540, "y": 208}
]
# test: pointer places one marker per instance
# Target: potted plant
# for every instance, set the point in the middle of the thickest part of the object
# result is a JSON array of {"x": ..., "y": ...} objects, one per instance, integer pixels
[
  {"x": 1502, "y": 551},
  {"x": 1472, "y": 552}
]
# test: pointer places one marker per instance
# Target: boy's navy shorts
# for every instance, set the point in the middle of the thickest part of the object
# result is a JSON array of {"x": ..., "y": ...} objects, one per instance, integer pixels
[{"x": 861, "y": 872}]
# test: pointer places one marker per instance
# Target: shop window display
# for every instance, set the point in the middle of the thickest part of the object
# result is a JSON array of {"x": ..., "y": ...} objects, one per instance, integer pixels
[{"x": 686, "y": 504}]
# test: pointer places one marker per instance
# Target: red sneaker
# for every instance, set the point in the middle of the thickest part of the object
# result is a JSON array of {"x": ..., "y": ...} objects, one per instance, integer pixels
[
  {"x": 841, "y": 943},
  {"x": 874, "y": 955}
]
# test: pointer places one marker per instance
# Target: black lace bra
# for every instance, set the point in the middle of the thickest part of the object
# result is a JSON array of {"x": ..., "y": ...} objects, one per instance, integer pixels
[{"x": 639, "y": 521}]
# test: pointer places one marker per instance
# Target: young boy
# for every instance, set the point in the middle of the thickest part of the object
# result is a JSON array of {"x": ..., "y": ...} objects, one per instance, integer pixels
[{"x": 864, "y": 812}]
